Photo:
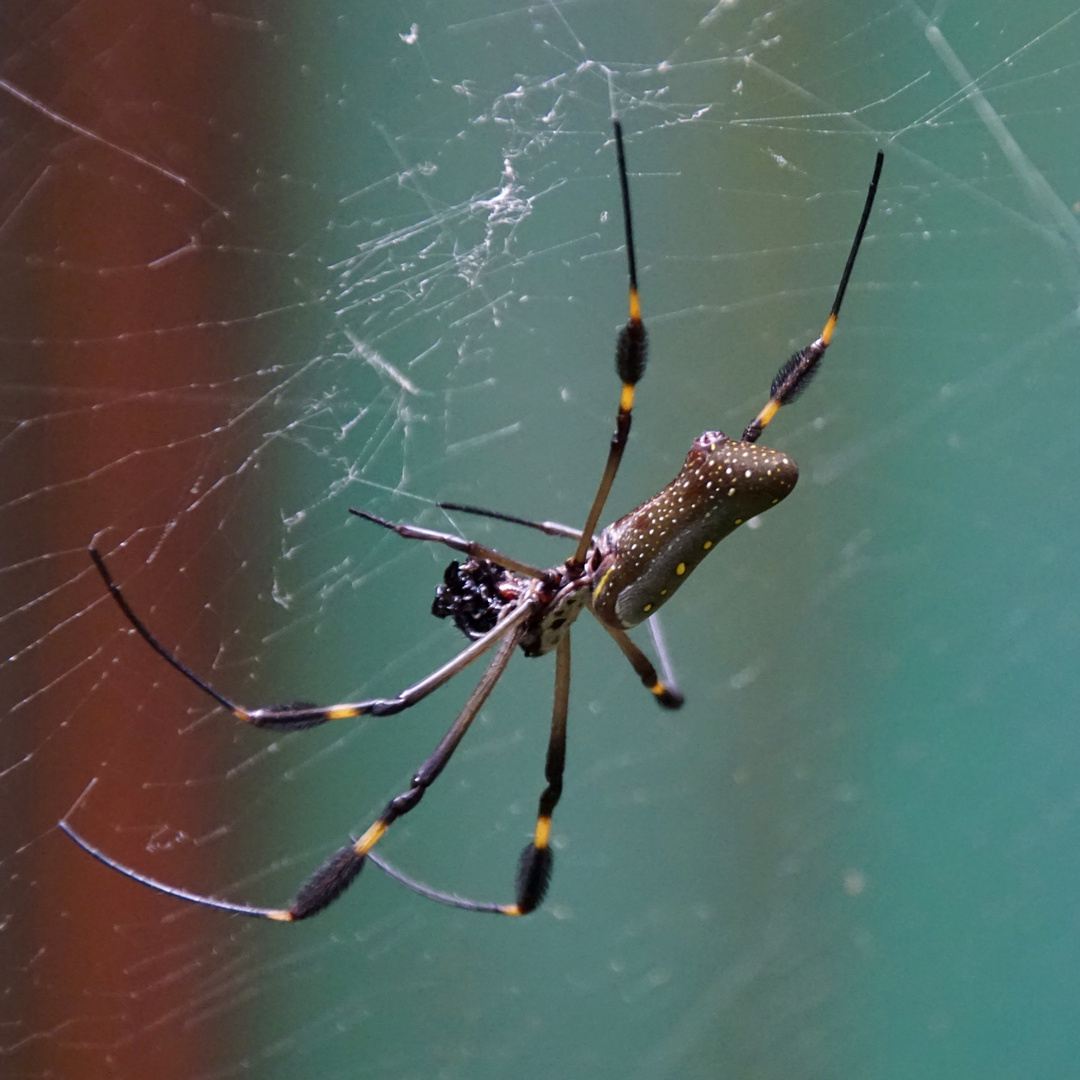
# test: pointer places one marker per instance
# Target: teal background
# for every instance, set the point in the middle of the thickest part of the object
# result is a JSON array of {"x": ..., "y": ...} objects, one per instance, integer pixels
[{"x": 854, "y": 852}]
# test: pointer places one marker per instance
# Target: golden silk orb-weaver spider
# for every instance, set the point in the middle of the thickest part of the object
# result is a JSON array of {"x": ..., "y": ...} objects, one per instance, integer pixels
[{"x": 622, "y": 575}]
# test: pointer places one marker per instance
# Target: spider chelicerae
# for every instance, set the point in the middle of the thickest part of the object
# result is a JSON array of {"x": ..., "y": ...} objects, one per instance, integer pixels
[{"x": 622, "y": 575}]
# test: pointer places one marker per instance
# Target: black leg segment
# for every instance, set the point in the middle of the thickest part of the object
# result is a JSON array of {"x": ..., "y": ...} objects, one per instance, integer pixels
[{"x": 534, "y": 867}]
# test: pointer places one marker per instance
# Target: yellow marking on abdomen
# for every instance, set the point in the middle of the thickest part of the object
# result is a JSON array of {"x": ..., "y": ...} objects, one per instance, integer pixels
[{"x": 598, "y": 587}]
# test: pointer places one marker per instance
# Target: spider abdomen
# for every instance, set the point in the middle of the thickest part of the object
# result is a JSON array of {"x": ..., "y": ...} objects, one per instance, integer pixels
[{"x": 649, "y": 553}]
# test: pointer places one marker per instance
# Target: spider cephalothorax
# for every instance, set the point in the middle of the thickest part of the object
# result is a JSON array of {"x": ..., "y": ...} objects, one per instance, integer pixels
[{"x": 477, "y": 593}]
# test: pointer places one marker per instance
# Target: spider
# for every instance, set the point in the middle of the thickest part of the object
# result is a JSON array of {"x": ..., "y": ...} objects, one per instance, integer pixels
[{"x": 622, "y": 576}]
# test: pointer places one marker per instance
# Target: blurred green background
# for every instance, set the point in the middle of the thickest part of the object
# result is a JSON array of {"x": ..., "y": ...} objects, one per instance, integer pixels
[{"x": 854, "y": 852}]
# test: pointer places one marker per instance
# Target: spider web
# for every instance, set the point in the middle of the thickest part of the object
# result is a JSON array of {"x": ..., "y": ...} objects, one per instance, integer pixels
[{"x": 264, "y": 263}]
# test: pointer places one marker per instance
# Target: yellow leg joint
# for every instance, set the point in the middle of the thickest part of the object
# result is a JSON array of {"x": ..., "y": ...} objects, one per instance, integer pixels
[
  {"x": 768, "y": 412},
  {"x": 658, "y": 688},
  {"x": 626, "y": 401},
  {"x": 510, "y": 909},
  {"x": 370, "y": 838},
  {"x": 635, "y": 306},
  {"x": 826, "y": 334},
  {"x": 280, "y": 915},
  {"x": 543, "y": 832},
  {"x": 342, "y": 714}
]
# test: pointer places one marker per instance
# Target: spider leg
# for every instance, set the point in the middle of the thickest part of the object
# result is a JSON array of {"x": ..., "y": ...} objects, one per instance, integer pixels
[
  {"x": 160, "y": 886},
  {"x": 297, "y": 716},
  {"x": 341, "y": 869},
  {"x": 794, "y": 377},
  {"x": 669, "y": 695},
  {"x": 458, "y": 543},
  {"x": 438, "y": 895},
  {"x": 552, "y": 528},
  {"x": 331, "y": 879},
  {"x": 667, "y": 669},
  {"x": 534, "y": 866},
  {"x": 630, "y": 357}
]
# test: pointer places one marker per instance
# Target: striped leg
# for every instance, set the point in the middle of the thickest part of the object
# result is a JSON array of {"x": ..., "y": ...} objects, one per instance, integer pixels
[
  {"x": 669, "y": 695},
  {"x": 630, "y": 358},
  {"x": 341, "y": 869},
  {"x": 301, "y": 715},
  {"x": 794, "y": 377},
  {"x": 534, "y": 867}
]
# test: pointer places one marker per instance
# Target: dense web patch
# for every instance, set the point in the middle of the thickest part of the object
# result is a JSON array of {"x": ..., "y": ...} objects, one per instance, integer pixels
[{"x": 259, "y": 268}]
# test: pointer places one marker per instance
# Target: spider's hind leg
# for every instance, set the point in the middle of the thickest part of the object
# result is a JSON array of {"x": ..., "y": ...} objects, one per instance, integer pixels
[
  {"x": 339, "y": 871},
  {"x": 534, "y": 866}
]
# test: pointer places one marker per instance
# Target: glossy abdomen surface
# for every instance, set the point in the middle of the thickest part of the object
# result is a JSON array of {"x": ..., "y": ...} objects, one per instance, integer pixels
[{"x": 649, "y": 553}]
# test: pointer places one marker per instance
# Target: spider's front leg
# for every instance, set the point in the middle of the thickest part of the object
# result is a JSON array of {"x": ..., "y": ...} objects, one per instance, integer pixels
[{"x": 795, "y": 375}]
